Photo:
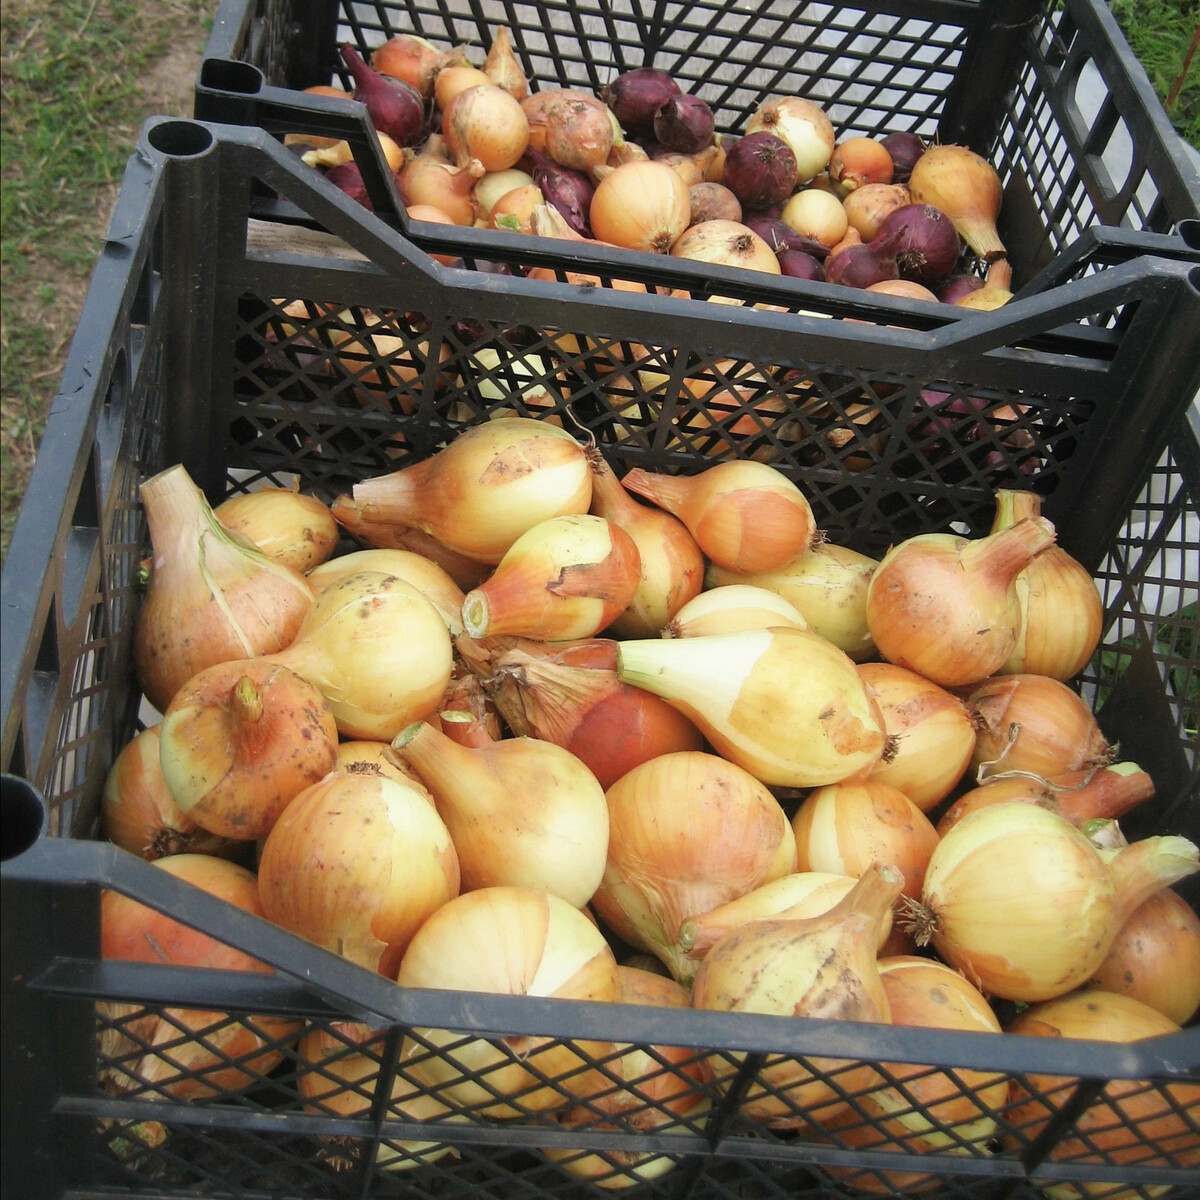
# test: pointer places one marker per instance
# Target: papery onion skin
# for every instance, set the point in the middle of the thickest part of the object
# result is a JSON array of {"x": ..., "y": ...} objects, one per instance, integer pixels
[
  {"x": 803, "y": 126},
  {"x": 487, "y": 125},
  {"x": 687, "y": 831},
  {"x": 929, "y": 248},
  {"x": 503, "y": 68},
  {"x": 298, "y": 531},
  {"x": 219, "y": 1060},
  {"x": 239, "y": 741},
  {"x": 140, "y": 814},
  {"x": 967, "y": 189},
  {"x": 1132, "y": 1121},
  {"x": 868, "y": 207},
  {"x": 760, "y": 170},
  {"x": 946, "y": 607},
  {"x": 356, "y": 864},
  {"x": 727, "y": 244},
  {"x": 579, "y": 134},
  {"x": 507, "y": 941},
  {"x": 635, "y": 96},
  {"x": 930, "y": 732},
  {"x": 847, "y": 827},
  {"x": 731, "y": 609},
  {"x": 860, "y": 160},
  {"x": 640, "y": 206},
  {"x": 1155, "y": 958},
  {"x": 783, "y": 703},
  {"x": 713, "y": 202},
  {"x": 817, "y": 215}
]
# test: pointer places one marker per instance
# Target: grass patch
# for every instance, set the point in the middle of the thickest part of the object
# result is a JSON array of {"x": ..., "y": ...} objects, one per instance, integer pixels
[
  {"x": 73, "y": 75},
  {"x": 1160, "y": 33}
]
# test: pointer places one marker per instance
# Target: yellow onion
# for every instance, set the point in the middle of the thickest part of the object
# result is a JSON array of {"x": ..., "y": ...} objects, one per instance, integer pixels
[
  {"x": 967, "y": 189},
  {"x": 465, "y": 572},
  {"x": 731, "y": 609},
  {"x": 1096, "y": 794},
  {"x": 568, "y": 693},
  {"x": 185, "y": 1054},
  {"x": 378, "y": 651},
  {"x": 428, "y": 179},
  {"x": 431, "y": 580},
  {"x": 640, "y": 206},
  {"x": 297, "y": 531},
  {"x": 522, "y": 812},
  {"x": 783, "y": 703},
  {"x": 801, "y": 894},
  {"x": 415, "y": 60},
  {"x": 654, "y": 1089},
  {"x": 213, "y": 597},
  {"x": 726, "y": 244},
  {"x": 467, "y": 714},
  {"x": 485, "y": 124},
  {"x": 687, "y": 831},
  {"x": 452, "y": 79},
  {"x": 746, "y": 516},
  {"x": 1132, "y": 1122},
  {"x": 496, "y": 184},
  {"x": 367, "y": 756},
  {"x": 1022, "y": 903},
  {"x": 846, "y": 827},
  {"x": 946, "y": 606},
  {"x": 931, "y": 735},
  {"x": 502, "y": 66},
  {"x": 821, "y": 967},
  {"x": 506, "y": 941},
  {"x": 356, "y": 864},
  {"x": 917, "y": 1110},
  {"x": 1062, "y": 613},
  {"x": 1034, "y": 723},
  {"x": 815, "y": 214},
  {"x": 240, "y": 741},
  {"x": 803, "y": 126},
  {"x": 567, "y": 577},
  {"x": 139, "y": 813},
  {"x": 1155, "y": 957},
  {"x": 337, "y": 1074},
  {"x": 491, "y": 484},
  {"x": 672, "y": 567},
  {"x": 827, "y": 584},
  {"x": 867, "y": 207}
]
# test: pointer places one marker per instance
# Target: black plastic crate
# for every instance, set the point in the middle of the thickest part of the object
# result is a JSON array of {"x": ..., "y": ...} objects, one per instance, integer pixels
[
  {"x": 1047, "y": 90},
  {"x": 240, "y": 351}
]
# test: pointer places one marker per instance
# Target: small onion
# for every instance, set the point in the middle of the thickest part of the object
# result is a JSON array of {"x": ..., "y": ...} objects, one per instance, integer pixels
[
  {"x": 858, "y": 161},
  {"x": 817, "y": 215},
  {"x": 869, "y": 206},
  {"x": 713, "y": 202}
]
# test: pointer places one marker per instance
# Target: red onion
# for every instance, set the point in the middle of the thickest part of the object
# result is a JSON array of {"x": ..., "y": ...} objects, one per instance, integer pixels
[
  {"x": 634, "y": 97},
  {"x": 929, "y": 246},
  {"x": 782, "y": 237},
  {"x": 570, "y": 192},
  {"x": 760, "y": 170},
  {"x": 349, "y": 178},
  {"x": 861, "y": 266},
  {"x": 684, "y": 123},
  {"x": 905, "y": 148},
  {"x": 954, "y": 287},
  {"x": 799, "y": 265},
  {"x": 394, "y": 107}
]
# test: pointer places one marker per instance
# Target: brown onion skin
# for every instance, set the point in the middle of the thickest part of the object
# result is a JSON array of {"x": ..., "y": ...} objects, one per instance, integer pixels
[{"x": 713, "y": 202}]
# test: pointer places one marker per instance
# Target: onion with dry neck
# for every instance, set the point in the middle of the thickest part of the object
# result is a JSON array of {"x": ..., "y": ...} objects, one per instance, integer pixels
[
  {"x": 967, "y": 189},
  {"x": 139, "y": 813},
  {"x": 506, "y": 941},
  {"x": 1021, "y": 901},
  {"x": 213, "y": 597},
  {"x": 946, "y": 606},
  {"x": 745, "y": 516},
  {"x": 687, "y": 831},
  {"x": 378, "y": 651},
  {"x": 522, "y": 812},
  {"x": 783, "y": 703},
  {"x": 568, "y": 693},
  {"x": 820, "y": 967},
  {"x": 150, "y": 1052},
  {"x": 356, "y": 864},
  {"x": 672, "y": 566},
  {"x": 567, "y": 577},
  {"x": 240, "y": 741},
  {"x": 491, "y": 484},
  {"x": 1062, "y": 613}
]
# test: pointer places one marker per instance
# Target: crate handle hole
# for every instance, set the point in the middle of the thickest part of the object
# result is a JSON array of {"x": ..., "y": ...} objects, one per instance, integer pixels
[
  {"x": 180, "y": 139},
  {"x": 1194, "y": 279},
  {"x": 226, "y": 75},
  {"x": 22, "y": 816},
  {"x": 1189, "y": 230}
]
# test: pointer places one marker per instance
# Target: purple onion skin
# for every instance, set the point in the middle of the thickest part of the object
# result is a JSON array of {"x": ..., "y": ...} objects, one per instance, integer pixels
[
  {"x": 394, "y": 107},
  {"x": 684, "y": 124},
  {"x": 861, "y": 266},
  {"x": 929, "y": 246},
  {"x": 349, "y": 178},
  {"x": 760, "y": 170},
  {"x": 954, "y": 287},
  {"x": 635, "y": 96},
  {"x": 568, "y": 191},
  {"x": 796, "y": 264},
  {"x": 905, "y": 149},
  {"x": 782, "y": 237}
]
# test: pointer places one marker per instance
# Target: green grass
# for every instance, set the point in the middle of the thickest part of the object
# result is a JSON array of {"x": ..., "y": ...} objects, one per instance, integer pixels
[
  {"x": 72, "y": 109},
  {"x": 1160, "y": 33}
]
